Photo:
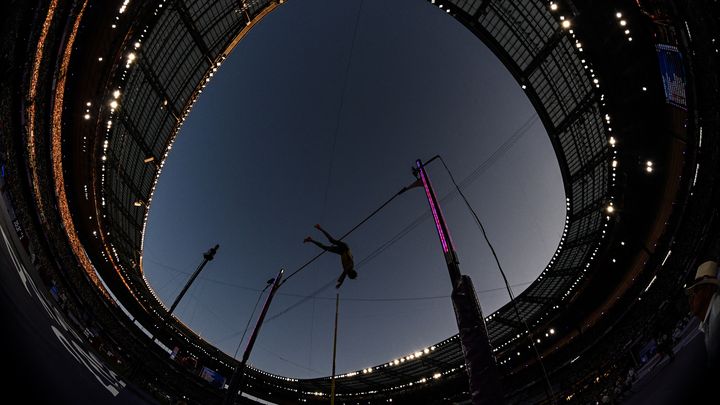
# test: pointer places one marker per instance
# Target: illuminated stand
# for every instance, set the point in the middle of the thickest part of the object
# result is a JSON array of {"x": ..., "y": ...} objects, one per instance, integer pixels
[{"x": 479, "y": 360}]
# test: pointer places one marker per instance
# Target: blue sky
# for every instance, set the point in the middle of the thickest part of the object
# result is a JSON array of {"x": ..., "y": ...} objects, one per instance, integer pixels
[{"x": 303, "y": 125}]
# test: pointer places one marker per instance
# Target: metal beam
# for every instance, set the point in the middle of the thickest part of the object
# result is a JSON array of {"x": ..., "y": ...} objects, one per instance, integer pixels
[
  {"x": 592, "y": 207},
  {"x": 584, "y": 105},
  {"x": 482, "y": 9},
  {"x": 545, "y": 51},
  {"x": 601, "y": 157},
  {"x": 135, "y": 135},
  {"x": 119, "y": 170},
  {"x": 510, "y": 323},
  {"x": 536, "y": 299},
  {"x": 584, "y": 240},
  {"x": 568, "y": 271},
  {"x": 190, "y": 25},
  {"x": 158, "y": 88}
]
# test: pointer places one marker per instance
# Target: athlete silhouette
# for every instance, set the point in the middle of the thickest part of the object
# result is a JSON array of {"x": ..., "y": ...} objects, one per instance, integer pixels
[{"x": 340, "y": 248}]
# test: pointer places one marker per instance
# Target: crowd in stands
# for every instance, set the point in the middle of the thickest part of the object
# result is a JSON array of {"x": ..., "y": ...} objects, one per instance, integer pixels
[
  {"x": 105, "y": 327},
  {"x": 609, "y": 356}
]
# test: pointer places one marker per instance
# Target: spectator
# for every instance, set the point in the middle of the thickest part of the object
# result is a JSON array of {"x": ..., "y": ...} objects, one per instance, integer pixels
[
  {"x": 604, "y": 397},
  {"x": 705, "y": 305},
  {"x": 630, "y": 379},
  {"x": 665, "y": 345}
]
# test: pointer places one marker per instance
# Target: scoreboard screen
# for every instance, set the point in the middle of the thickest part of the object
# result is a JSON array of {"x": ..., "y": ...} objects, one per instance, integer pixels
[{"x": 672, "y": 70}]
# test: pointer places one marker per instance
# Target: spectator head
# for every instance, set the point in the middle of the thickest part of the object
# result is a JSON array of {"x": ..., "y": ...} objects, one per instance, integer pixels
[{"x": 706, "y": 274}]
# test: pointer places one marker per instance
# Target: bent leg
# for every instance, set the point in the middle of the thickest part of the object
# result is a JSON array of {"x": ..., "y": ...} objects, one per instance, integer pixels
[{"x": 328, "y": 236}]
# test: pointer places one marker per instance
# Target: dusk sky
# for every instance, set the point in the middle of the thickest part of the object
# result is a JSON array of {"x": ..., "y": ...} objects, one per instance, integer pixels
[{"x": 286, "y": 136}]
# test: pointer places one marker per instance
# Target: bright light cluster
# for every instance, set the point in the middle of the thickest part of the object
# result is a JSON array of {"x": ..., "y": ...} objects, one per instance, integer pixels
[{"x": 623, "y": 23}]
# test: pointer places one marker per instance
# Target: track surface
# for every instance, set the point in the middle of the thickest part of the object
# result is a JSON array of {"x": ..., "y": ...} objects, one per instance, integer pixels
[{"x": 45, "y": 359}]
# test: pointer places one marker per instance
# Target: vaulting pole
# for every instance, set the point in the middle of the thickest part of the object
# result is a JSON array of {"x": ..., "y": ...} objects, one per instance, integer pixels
[{"x": 332, "y": 386}]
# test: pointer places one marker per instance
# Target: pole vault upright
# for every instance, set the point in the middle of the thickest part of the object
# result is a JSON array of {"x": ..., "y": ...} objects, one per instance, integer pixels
[
  {"x": 480, "y": 363},
  {"x": 236, "y": 384},
  {"x": 208, "y": 256}
]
